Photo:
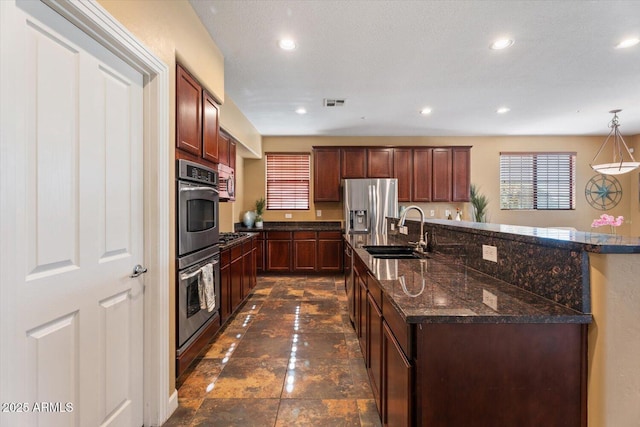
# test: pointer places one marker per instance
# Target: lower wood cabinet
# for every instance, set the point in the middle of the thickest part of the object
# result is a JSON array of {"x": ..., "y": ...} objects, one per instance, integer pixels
[
  {"x": 278, "y": 251},
  {"x": 301, "y": 252},
  {"x": 237, "y": 276},
  {"x": 305, "y": 247},
  {"x": 397, "y": 380}
]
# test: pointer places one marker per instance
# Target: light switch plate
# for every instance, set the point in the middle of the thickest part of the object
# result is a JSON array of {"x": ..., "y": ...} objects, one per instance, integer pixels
[
  {"x": 490, "y": 253},
  {"x": 432, "y": 212},
  {"x": 392, "y": 226},
  {"x": 489, "y": 299},
  {"x": 403, "y": 230},
  {"x": 288, "y": 215}
]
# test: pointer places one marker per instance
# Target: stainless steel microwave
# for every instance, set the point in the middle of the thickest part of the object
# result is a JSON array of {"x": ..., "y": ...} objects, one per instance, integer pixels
[{"x": 227, "y": 183}]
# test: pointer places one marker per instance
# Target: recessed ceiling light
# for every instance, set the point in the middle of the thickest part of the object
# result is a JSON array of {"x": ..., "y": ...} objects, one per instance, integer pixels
[
  {"x": 287, "y": 44},
  {"x": 503, "y": 110},
  {"x": 425, "y": 111},
  {"x": 301, "y": 111},
  {"x": 628, "y": 43},
  {"x": 501, "y": 44}
]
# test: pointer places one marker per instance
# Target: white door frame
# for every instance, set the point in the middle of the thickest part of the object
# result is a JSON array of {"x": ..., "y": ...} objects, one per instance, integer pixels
[{"x": 91, "y": 18}]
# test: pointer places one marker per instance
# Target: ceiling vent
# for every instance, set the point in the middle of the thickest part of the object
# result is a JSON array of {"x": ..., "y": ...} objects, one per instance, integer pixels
[{"x": 334, "y": 102}]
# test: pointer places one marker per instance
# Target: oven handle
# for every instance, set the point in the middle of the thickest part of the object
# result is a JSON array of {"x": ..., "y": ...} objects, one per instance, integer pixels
[
  {"x": 199, "y": 189},
  {"x": 189, "y": 274}
]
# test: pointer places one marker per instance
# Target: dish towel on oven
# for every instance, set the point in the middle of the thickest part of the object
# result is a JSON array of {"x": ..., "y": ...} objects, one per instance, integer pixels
[{"x": 206, "y": 290}]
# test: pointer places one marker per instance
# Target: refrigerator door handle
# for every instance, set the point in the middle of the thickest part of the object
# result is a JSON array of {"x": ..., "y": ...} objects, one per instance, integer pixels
[{"x": 373, "y": 208}]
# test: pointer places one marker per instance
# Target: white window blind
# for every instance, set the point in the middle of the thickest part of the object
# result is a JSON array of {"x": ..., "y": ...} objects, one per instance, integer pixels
[
  {"x": 288, "y": 177},
  {"x": 543, "y": 181}
]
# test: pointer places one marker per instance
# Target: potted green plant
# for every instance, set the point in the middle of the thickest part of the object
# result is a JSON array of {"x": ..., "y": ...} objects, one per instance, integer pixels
[
  {"x": 479, "y": 203},
  {"x": 260, "y": 205}
]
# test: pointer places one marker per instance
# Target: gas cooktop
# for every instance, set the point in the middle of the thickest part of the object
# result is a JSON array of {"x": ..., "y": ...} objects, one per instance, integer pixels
[{"x": 227, "y": 237}]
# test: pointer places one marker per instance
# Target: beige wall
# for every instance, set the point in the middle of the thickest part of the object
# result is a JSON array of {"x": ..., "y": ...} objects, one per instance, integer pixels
[
  {"x": 484, "y": 173},
  {"x": 614, "y": 376}
]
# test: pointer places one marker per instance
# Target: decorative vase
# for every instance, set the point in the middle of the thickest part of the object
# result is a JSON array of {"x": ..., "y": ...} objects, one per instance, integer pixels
[
  {"x": 259, "y": 223},
  {"x": 249, "y": 218}
]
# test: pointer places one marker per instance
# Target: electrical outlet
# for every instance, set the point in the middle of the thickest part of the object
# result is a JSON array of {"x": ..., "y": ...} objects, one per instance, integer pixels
[
  {"x": 490, "y": 299},
  {"x": 288, "y": 216},
  {"x": 318, "y": 213},
  {"x": 447, "y": 212},
  {"x": 490, "y": 253},
  {"x": 432, "y": 213},
  {"x": 392, "y": 226},
  {"x": 403, "y": 230}
]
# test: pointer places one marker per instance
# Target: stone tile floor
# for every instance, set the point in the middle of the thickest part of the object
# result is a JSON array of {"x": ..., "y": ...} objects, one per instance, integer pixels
[{"x": 289, "y": 357}]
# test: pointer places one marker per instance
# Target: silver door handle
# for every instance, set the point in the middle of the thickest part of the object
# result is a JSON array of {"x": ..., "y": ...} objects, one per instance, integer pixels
[{"x": 138, "y": 270}]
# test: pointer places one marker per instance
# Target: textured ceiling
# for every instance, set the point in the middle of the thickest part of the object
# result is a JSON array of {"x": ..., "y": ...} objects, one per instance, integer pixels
[{"x": 389, "y": 59}]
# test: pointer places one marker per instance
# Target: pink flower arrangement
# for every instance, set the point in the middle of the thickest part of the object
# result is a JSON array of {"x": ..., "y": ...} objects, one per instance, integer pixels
[{"x": 609, "y": 220}]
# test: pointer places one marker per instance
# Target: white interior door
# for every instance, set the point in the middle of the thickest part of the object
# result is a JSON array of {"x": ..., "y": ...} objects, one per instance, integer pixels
[{"x": 72, "y": 226}]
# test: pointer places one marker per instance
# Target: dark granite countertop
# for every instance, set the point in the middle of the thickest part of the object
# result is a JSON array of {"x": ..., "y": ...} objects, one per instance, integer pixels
[
  {"x": 294, "y": 226},
  {"x": 579, "y": 240},
  {"x": 443, "y": 289},
  {"x": 245, "y": 236}
]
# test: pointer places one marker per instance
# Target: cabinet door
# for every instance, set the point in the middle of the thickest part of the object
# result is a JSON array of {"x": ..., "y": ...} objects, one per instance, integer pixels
[
  {"x": 326, "y": 175},
  {"x": 209, "y": 128},
  {"x": 375, "y": 350},
  {"x": 260, "y": 253},
  {"x": 442, "y": 168},
  {"x": 461, "y": 174},
  {"x": 380, "y": 163},
  {"x": 304, "y": 251},
  {"x": 225, "y": 289},
  {"x": 354, "y": 162},
  {"x": 363, "y": 317},
  {"x": 247, "y": 268},
  {"x": 330, "y": 252},
  {"x": 403, "y": 172},
  {"x": 237, "y": 272},
  {"x": 397, "y": 383},
  {"x": 223, "y": 148},
  {"x": 188, "y": 113},
  {"x": 422, "y": 164},
  {"x": 278, "y": 255}
]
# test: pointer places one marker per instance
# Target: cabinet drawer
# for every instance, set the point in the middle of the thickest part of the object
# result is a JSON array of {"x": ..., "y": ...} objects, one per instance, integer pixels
[
  {"x": 236, "y": 252},
  {"x": 330, "y": 235},
  {"x": 225, "y": 257},
  {"x": 303, "y": 235},
  {"x": 401, "y": 330},
  {"x": 278, "y": 235}
]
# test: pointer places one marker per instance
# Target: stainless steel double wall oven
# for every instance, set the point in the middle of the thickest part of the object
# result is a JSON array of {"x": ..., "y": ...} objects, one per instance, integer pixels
[{"x": 198, "y": 233}]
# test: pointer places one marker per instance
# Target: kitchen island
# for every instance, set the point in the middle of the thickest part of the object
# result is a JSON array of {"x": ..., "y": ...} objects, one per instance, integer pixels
[
  {"x": 504, "y": 339},
  {"x": 448, "y": 345}
]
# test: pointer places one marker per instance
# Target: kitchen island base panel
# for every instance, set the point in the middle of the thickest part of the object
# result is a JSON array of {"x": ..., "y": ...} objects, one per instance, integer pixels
[{"x": 501, "y": 374}]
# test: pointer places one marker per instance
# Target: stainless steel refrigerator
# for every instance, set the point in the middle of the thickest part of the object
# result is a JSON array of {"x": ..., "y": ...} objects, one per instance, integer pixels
[{"x": 367, "y": 203}]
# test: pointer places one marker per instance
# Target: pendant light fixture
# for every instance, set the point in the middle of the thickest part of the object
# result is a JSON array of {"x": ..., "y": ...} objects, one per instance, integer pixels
[{"x": 619, "y": 165}]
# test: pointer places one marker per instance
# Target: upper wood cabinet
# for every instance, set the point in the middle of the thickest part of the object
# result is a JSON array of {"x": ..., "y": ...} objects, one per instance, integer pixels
[
  {"x": 197, "y": 120},
  {"x": 226, "y": 150},
  {"x": 354, "y": 163},
  {"x": 380, "y": 162},
  {"x": 461, "y": 157},
  {"x": 326, "y": 174},
  {"x": 422, "y": 172},
  {"x": 441, "y": 176},
  {"x": 210, "y": 127},
  {"x": 403, "y": 172},
  {"x": 188, "y": 113}
]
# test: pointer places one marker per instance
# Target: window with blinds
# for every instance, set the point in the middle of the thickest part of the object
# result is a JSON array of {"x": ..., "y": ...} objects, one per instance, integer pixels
[
  {"x": 288, "y": 177},
  {"x": 540, "y": 181}
]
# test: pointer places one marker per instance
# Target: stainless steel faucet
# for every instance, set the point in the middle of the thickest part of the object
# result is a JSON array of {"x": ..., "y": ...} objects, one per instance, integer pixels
[{"x": 421, "y": 244}]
